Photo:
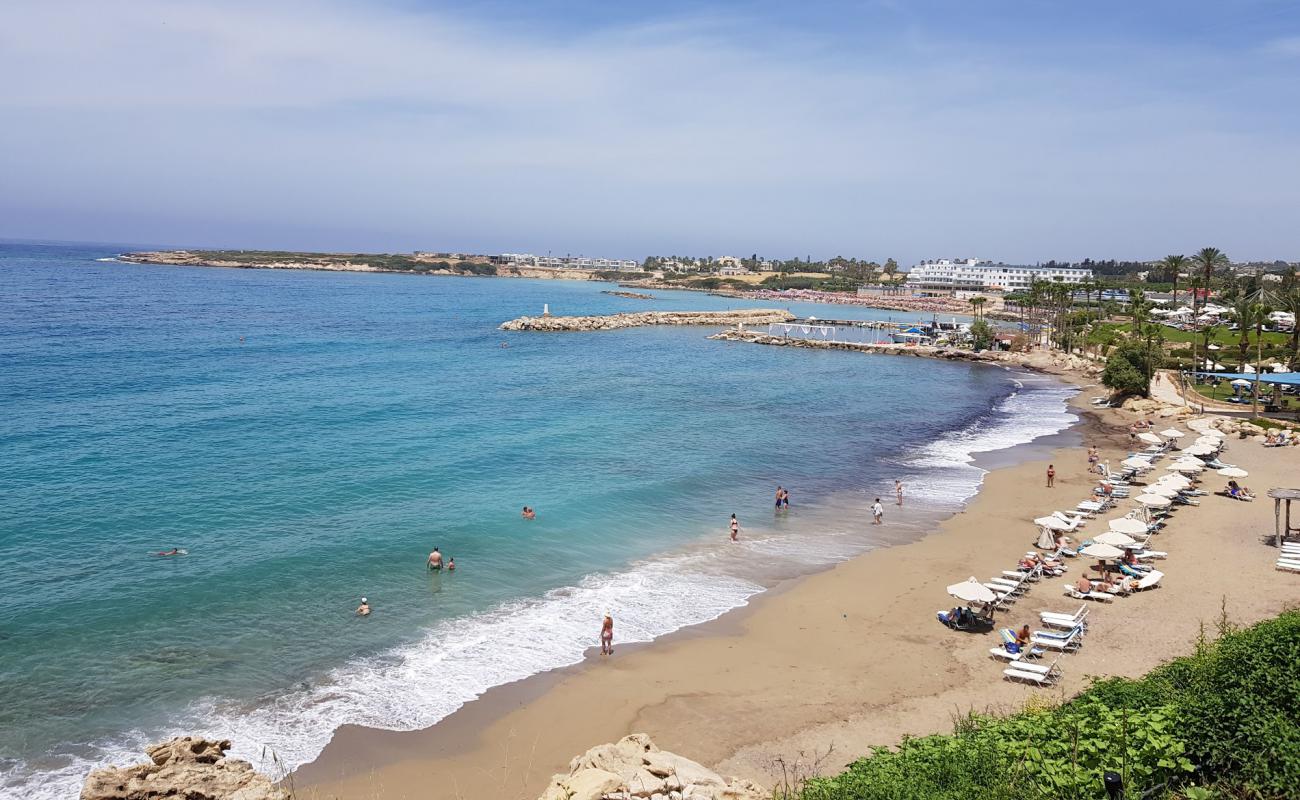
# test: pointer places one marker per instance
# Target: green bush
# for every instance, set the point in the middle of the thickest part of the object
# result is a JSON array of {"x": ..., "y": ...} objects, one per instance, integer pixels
[
  {"x": 1128, "y": 367},
  {"x": 1225, "y": 717}
]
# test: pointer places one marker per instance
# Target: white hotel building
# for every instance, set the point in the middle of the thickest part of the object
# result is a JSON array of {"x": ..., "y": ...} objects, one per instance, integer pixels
[
  {"x": 946, "y": 276},
  {"x": 565, "y": 262}
]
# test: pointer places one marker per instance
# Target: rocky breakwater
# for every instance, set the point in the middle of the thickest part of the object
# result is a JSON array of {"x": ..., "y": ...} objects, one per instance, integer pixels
[
  {"x": 1039, "y": 360},
  {"x": 188, "y": 767},
  {"x": 635, "y": 769},
  {"x": 757, "y": 316}
]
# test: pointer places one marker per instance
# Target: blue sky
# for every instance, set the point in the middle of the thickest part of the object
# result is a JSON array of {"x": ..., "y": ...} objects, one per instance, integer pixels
[{"x": 1018, "y": 131}]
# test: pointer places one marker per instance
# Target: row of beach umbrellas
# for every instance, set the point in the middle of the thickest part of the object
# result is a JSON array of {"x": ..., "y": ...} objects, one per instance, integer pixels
[{"x": 1158, "y": 494}]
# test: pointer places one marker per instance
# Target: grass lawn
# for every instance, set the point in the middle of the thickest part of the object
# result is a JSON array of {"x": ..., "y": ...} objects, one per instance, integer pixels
[{"x": 1221, "y": 336}]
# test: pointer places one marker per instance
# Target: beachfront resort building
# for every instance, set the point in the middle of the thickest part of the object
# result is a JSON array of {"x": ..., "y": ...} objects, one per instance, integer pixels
[
  {"x": 566, "y": 262},
  {"x": 947, "y": 276}
]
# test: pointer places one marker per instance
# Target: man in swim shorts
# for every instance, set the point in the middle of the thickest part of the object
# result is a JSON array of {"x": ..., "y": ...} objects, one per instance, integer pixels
[{"x": 435, "y": 561}]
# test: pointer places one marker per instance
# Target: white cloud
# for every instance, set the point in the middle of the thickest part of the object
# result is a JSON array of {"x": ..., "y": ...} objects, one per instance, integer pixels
[{"x": 226, "y": 120}]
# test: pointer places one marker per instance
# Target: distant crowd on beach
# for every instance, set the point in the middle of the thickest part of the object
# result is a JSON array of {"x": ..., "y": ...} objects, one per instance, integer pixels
[{"x": 436, "y": 562}]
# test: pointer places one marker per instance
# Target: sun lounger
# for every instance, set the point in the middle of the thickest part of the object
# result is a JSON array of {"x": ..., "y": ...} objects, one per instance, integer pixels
[
  {"x": 1288, "y": 566},
  {"x": 1149, "y": 581},
  {"x": 1074, "y": 520},
  {"x": 1063, "y": 622},
  {"x": 1017, "y": 674},
  {"x": 1102, "y": 597},
  {"x": 1072, "y": 640}
]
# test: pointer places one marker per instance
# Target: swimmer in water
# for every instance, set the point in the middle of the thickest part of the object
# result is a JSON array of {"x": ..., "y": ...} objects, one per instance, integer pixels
[
  {"x": 735, "y": 528},
  {"x": 528, "y": 513},
  {"x": 435, "y": 561},
  {"x": 175, "y": 551},
  {"x": 451, "y": 564},
  {"x": 363, "y": 610}
]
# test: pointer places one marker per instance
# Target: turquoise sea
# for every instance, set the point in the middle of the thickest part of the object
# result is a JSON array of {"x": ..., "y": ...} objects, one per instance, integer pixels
[{"x": 308, "y": 437}]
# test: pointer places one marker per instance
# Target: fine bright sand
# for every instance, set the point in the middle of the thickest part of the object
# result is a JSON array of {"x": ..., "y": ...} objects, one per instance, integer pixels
[{"x": 817, "y": 671}]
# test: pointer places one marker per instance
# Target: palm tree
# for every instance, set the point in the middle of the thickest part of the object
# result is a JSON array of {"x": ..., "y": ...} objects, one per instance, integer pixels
[
  {"x": 1209, "y": 260},
  {"x": 977, "y": 305},
  {"x": 1259, "y": 315},
  {"x": 1289, "y": 301},
  {"x": 1174, "y": 265}
]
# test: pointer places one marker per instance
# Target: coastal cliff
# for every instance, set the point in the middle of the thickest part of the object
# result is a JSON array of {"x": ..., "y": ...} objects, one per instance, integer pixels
[
  {"x": 413, "y": 263},
  {"x": 187, "y": 767},
  {"x": 633, "y": 768},
  {"x": 753, "y": 316}
]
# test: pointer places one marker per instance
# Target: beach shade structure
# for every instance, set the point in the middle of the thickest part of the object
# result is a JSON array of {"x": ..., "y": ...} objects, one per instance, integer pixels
[
  {"x": 1172, "y": 433},
  {"x": 1241, "y": 382},
  {"x": 1115, "y": 539},
  {"x": 1150, "y": 438},
  {"x": 1234, "y": 472},
  {"x": 1136, "y": 463},
  {"x": 1202, "y": 449},
  {"x": 1045, "y": 540},
  {"x": 1174, "y": 479},
  {"x": 1163, "y": 489},
  {"x": 1053, "y": 523},
  {"x": 1183, "y": 466},
  {"x": 1154, "y": 501},
  {"x": 1101, "y": 550},
  {"x": 972, "y": 591},
  {"x": 1128, "y": 525}
]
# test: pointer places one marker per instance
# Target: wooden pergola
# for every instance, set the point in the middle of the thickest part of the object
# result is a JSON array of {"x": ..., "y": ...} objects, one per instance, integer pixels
[{"x": 1282, "y": 529}]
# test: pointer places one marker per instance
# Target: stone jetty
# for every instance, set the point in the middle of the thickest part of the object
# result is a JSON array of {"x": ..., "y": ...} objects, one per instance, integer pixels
[
  {"x": 1038, "y": 360},
  {"x": 753, "y": 316},
  {"x": 633, "y": 768}
]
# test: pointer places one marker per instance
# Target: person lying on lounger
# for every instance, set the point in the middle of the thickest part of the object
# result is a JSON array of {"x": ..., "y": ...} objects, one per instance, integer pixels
[{"x": 1083, "y": 585}]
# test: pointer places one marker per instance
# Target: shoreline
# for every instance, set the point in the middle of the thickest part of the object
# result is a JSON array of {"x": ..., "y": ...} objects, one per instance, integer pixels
[{"x": 782, "y": 677}]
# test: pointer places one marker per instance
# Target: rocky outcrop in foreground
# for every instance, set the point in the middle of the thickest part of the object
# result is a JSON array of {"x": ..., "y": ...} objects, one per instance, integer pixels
[
  {"x": 633, "y": 768},
  {"x": 608, "y": 322},
  {"x": 187, "y": 768}
]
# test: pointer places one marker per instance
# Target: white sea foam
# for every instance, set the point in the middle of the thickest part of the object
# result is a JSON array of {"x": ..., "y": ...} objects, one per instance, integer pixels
[{"x": 415, "y": 685}]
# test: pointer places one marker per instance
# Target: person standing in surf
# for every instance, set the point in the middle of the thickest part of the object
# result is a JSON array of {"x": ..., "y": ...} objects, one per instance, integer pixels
[
  {"x": 877, "y": 512},
  {"x": 607, "y": 635},
  {"x": 898, "y": 490},
  {"x": 435, "y": 561},
  {"x": 735, "y": 529}
]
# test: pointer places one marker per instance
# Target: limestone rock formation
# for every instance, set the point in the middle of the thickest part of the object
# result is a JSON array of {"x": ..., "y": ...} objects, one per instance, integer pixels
[
  {"x": 186, "y": 768},
  {"x": 635, "y": 769},
  {"x": 754, "y": 316}
]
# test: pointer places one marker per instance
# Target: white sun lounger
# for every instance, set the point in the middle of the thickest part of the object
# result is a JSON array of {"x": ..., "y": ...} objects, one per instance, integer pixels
[
  {"x": 1288, "y": 566},
  {"x": 1149, "y": 581},
  {"x": 1103, "y": 597},
  {"x": 1054, "y": 620},
  {"x": 1018, "y": 672},
  {"x": 1058, "y": 641}
]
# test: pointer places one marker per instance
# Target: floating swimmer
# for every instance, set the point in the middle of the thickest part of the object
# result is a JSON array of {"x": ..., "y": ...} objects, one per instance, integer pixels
[
  {"x": 175, "y": 551},
  {"x": 363, "y": 610}
]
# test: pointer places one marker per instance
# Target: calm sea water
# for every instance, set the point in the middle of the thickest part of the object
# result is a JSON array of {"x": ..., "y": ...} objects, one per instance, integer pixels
[{"x": 309, "y": 437}]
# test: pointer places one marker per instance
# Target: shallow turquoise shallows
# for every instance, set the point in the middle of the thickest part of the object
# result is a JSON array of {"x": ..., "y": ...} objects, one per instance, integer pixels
[{"x": 309, "y": 437}]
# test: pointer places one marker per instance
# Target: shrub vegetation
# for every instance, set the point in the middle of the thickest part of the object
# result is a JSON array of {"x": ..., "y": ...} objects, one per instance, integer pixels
[{"x": 1222, "y": 722}]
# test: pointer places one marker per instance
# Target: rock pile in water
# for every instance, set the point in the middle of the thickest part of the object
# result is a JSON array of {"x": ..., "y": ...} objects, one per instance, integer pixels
[
  {"x": 754, "y": 316},
  {"x": 635, "y": 769},
  {"x": 188, "y": 767}
]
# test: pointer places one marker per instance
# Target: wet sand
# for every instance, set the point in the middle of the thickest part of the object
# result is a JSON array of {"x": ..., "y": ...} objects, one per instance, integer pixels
[{"x": 821, "y": 668}]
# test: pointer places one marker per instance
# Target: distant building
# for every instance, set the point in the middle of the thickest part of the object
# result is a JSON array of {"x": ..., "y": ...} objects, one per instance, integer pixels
[
  {"x": 946, "y": 276},
  {"x": 733, "y": 270},
  {"x": 565, "y": 262},
  {"x": 728, "y": 261}
]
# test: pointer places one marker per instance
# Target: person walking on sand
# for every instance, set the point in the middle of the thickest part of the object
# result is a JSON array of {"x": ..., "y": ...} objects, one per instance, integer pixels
[
  {"x": 735, "y": 529},
  {"x": 607, "y": 636},
  {"x": 363, "y": 610},
  {"x": 877, "y": 512},
  {"x": 1051, "y": 475},
  {"x": 435, "y": 561},
  {"x": 898, "y": 490}
]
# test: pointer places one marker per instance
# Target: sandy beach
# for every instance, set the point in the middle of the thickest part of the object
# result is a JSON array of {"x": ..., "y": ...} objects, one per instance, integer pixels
[{"x": 818, "y": 670}]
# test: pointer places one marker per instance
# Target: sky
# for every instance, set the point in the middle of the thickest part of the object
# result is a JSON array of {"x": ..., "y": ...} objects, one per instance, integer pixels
[{"x": 1012, "y": 130}]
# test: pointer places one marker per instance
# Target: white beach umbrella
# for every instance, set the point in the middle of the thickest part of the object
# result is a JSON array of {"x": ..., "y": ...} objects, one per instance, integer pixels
[
  {"x": 1137, "y": 463},
  {"x": 1234, "y": 472},
  {"x": 1115, "y": 539},
  {"x": 1163, "y": 489},
  {"x": 1189, "y": 468},
  {"x": 1127, "y": 525},
  {"x": 1055, "y": 523},
  {"x": 1200, "y": 449},
  {"x": 1101, "y": 550},
  {"x": 1174, "y": 479},
  {"x": 1215, "y": 433},
  {"x": 1150, "y": 438},
  {"x": 1213, "y": 346},
  {"x": 1153, "y": 501},
  {"x": 1241, "y": 382},
  {"x": 1172, "y": 433},
  {"x": 972, "y": 591}
]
